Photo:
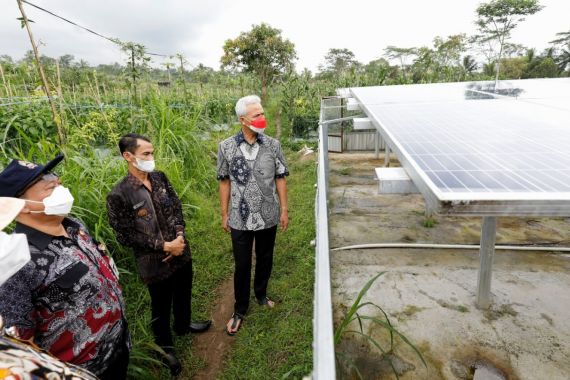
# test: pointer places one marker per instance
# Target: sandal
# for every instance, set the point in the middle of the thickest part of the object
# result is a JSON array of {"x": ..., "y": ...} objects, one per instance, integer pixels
[
  {"x": 266, "y": 301},
  {"x": 236, "y": 319}
]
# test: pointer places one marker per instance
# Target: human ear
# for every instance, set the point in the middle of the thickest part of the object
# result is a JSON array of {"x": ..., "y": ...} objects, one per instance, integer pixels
[{"x": 126, "y": 156}]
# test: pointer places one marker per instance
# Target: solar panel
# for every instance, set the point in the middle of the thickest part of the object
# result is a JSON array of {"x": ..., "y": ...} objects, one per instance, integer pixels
[{"x": 474, "y": 149}]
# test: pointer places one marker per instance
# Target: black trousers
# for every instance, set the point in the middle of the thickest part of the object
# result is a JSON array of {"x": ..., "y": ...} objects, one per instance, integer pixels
[
  {"x": 174, "y": 293},
  {"x": 117, "y": 370},
  {"x": 242, "y": 242}
]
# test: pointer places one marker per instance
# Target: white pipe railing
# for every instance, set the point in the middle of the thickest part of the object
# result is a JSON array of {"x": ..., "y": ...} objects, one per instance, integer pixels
[{"x": 323, "y": 342}]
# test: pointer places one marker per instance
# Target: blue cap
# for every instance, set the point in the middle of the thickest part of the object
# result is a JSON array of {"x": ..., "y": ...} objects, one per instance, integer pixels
[{"x": 19, "y": 175}]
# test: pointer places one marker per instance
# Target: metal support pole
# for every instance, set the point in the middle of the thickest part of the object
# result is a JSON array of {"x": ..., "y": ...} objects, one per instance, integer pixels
[
  {"x": 376, "y": 144},
  {"x": 386, "y": 156},
  {"x": 486, "y": 253}
]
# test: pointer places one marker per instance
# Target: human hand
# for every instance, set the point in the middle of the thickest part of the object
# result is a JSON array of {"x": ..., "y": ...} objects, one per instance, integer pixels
[
  {"x": 225, "y": 225},
  {"x": 284, "y": 220},
  {"x": 175, "y": 247}
]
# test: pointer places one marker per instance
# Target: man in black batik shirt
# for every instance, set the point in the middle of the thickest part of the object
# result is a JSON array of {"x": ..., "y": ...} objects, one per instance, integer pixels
[{"x": 146, "y": 214}]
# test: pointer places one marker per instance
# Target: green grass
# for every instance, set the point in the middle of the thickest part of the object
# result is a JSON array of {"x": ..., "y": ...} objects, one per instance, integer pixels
[
  {"x": 429, "y": 222},
  {"x": 276, "y": 342}
]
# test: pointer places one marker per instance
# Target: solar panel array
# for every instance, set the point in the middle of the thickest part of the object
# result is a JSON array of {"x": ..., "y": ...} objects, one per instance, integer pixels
[{"x": 477, "y": 150}]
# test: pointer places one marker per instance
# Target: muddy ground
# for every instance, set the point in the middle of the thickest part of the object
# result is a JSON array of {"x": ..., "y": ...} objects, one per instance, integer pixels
[{"x": 430, "y": 293}]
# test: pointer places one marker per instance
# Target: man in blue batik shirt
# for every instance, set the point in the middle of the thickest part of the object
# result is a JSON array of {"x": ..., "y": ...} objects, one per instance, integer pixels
[{"x": 253, "y": 198}]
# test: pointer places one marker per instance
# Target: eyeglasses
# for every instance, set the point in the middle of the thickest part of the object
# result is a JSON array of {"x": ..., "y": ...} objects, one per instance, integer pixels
[{"x": 49, "y": 177}]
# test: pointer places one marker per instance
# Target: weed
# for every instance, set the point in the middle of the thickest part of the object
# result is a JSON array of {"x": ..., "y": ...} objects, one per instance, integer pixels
[
  {"x": 429, "y": 222},
  {"x": 383, "y": 321}
]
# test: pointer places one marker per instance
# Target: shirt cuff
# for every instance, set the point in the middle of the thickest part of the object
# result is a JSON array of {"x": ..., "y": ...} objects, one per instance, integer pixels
[{"x": 159, "y": 245}]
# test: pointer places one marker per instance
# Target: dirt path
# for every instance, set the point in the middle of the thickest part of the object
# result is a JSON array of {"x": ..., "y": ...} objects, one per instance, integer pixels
[{"x": 212, "y": 345}]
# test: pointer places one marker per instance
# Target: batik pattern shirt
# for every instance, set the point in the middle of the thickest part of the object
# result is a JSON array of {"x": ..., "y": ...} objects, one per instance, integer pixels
[
  {"x": 19, "y": 360},
  {"x": 252, "y": 170},
  {"x": 67, "y": 298},
  {"x": 144, "y": 220}
]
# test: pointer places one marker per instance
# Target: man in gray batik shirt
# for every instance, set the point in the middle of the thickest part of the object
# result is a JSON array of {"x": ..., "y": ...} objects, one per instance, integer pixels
[{"x": 253, "y": 198}]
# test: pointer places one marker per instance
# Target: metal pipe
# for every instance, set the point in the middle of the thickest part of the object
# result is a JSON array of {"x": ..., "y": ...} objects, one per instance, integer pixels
[
  {"x": 323, "y": 329},
  {"x": 449, "y": 246},
  {"x": 339, "y": 119}
]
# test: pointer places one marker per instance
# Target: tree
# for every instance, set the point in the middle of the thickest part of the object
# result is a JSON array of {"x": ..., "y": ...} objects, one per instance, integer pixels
[
  {"x": 66, "y": 61},
  {"x": 468, "y": 64},
  {"x": 202, "y": 74},
  {"x": 401, "y": 54},
  {"x": 562, "y": 43},
  {"x": 377, "y": 71},
  {"x": 448, "y": 51},
  {"x": 497, "y": 19},
  {"x": 424, "y": 67},
  {"x": 543, "y": 67},
  {"x": 540, "y": 66},
  {"x": 338, "y": 61},
  {"x": 261, "y": 51},
  {"x": 514, "y": 50},
  {"x": 514, "y": 68},
  {"x": 137, "y": 62},
  {"x": 5, "y": 58}
]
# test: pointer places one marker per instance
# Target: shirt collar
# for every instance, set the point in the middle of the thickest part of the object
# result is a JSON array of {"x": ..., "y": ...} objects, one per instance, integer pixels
[
  {"x": 134, "y": 181},
  {"x": 38, "y": 238},
  {"x": 241, "y": 138}
]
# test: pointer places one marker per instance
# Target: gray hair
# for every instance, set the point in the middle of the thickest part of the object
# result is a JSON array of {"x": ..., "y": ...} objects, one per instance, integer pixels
[{"x": 242, "y": 103}]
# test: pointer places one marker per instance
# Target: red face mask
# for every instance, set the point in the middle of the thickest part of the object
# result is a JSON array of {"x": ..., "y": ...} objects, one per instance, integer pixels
[{"x": 258, "y": 125}]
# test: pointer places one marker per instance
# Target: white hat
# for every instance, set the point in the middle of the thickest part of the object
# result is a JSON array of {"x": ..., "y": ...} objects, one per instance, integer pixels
[{"x": 9, "y": 209}]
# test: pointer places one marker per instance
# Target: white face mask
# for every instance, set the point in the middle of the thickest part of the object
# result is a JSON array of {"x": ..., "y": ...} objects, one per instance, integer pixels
[
  {"x": 145, "y": 165},
  {"x": 257, "y": 130},
  {"x": 14, "y": 254},
  {"x": 58, "y": 203}
]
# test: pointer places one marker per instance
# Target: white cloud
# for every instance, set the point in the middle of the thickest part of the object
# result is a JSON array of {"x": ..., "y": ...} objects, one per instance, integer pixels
[{"x": 199, "y": 29}]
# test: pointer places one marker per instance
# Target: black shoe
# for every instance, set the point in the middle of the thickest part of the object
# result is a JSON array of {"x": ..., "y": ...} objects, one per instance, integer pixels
[
  {"x": 200, "y": 326},
  {"x": 195, "y": 327},
  {"x": 173, "y": 363}
]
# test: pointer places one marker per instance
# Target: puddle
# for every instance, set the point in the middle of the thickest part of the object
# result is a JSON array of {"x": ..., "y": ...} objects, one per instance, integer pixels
[{"x": 470, "y": 361}]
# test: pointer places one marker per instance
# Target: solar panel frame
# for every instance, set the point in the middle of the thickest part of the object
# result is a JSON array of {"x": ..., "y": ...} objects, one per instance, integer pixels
[{"x": 516, "y": 193}]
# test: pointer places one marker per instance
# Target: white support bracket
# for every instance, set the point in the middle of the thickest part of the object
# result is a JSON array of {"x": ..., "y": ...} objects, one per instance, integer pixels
[
  {"x": 362, "y": 123},
  {"x": 352, "y": 104}
]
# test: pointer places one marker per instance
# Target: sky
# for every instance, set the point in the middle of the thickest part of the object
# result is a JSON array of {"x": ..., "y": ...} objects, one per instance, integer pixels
[{"x": 198, "y": 29}]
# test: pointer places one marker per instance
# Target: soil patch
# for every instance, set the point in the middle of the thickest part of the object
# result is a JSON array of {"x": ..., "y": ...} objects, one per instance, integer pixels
[
  {"x": 213, "y": 345},
  {"x": 430, "y": 293}
]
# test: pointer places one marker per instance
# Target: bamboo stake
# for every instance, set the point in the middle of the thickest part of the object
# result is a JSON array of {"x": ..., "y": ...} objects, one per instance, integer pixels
[
  {"x": 4, "y": 81},
  {"x": 183, "y": 76},
  {"x": 59, "y": 92},
  {"x": 97, "y": 93},
  {"x": 56, "y": 118},
  {"x": 133, "y": 73}
]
